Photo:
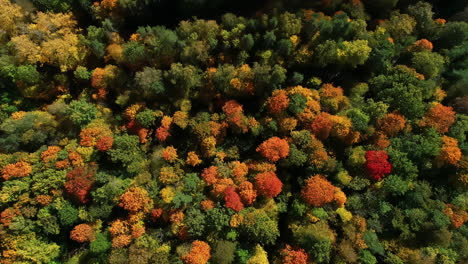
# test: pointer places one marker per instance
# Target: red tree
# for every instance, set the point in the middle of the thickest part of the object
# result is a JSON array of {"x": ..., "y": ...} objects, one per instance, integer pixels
[
  {"x": 79, "y": 183},
  {"x": 294, "y": 256},
  {"x": 268, "y": 184},
  {"x": 274, "y": 149},
  {"x": 232, "y": 199},
  {"x": 377, "y": 164}
]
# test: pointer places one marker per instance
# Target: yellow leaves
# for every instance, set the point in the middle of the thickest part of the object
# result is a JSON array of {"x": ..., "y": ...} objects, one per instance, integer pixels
[
  {"x": 192, "y": 159},
  {"x": 10, "y": 15},
  {"x": 344, "y": 214},
  {"x": 260, "y": 256},
  {"x": 167, "y": 194},
  {"x": 59, "y": 45}
]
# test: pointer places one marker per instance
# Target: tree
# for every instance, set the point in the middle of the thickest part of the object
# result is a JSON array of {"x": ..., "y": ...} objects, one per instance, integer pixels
[
  {"x": 29, "y": 131},
  {"x": 292, "y": 255},
  {"x": 449, "y": 152},
  {"x": 79, "y": 183},
  {"x": 377, "y": 164},
  {"x": 232, "y": 199},
  {"x": 258, "y": 227},
  {"x": 60, "y": 45},
  {"x": 278, "y": 102},
  {"x": 82, "y": 233},
  {"x": 199, "y": 253},
  {"x": 317, "y": 191},
  {"x": 11, "y": 16},
  {"x": 428, "y": 63},
  {"x": 392, "y": 123},
  {"x": 268, "y": 184},
  {"x": 224, "y": 252},
  {"x": 136, "y": 199},
  {"x": 150, "y": 80},
  {"x": 81, "y": 112},
  {"x": 274, "y": 149},
  {"x": 18, "y": 169},
  {"x": 439, "y": 117}
]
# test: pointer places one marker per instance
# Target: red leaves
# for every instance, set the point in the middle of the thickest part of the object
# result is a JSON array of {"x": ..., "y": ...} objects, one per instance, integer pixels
[
  {"x": 294, "y": 256},
  {"x": 79, "y": 183},
  {"x": 377, "y": 164},
  {"x": 274, "y": 149},
  {"x": 232, "y": 199},
  {"x": 318, "y": 191},
  {"x": 268, "y": 184}
]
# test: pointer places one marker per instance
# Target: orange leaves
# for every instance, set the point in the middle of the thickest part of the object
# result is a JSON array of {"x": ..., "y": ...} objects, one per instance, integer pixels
[
  {"x": 457, "y": 216},
  {"x": 18, "y": 169},
  {"x": 193, "y": 159},
  {"x": 293, "y": 256},
  {"x": 268, "y": 184},
  {"x": 392, "y": 123},
  {"x": 322, "y": 125},
  {"x": 421, "y": 45},
  {"x": 449, "y": 153},
  {"x": 162, "y": 133},
  {"x": 318, "y": 191},
  {"x": 247, "y": 192},
  {"x": 235, "y": 115},
  {"x": 200, "y": 253},
  {"x": 50, "y": 153},
  {"x": 439, "y": 117},
  {"x": 169, "y": 154},
  {"x": 105, "y": 143},
  {"x": 274, "y": 149},
  {"x": 136, "y": 199},
  {"x": 7, "y": 215},
  {"x": 239, "y": 171},
  {"x": 210, "y": 175},
  {"x": 278, "y": 102},
  {"x": 82, "y": 233},
  {"x": 332, "y": 97}
]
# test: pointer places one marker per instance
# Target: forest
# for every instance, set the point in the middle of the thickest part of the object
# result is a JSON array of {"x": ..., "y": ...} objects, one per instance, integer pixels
[{"x": 233, "y": 132}]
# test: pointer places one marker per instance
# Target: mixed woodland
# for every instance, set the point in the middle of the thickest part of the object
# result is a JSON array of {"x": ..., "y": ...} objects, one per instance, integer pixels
[{"x": 244, "y": 132}]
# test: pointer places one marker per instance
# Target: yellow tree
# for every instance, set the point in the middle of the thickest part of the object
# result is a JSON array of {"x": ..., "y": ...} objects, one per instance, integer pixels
[{"x": 59, "y": 46}]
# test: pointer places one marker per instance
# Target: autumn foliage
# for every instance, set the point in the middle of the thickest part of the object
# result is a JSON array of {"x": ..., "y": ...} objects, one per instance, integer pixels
[
  {"x": 200, "y": 253},
  {"x": 377, "y": 164},
  {"x": 392, "y": 123},
  {"x": 82, "y": 233},
  {"x": 79, "y": 183},
  {"x": 439, "y": 117},
  {"x": 18, "y": 169},
  {"x": 274, "y": 149},
  {"x": 450, "y": 152},
  {"x": 292, "y": 255},
  {"x": 232, "y": 199},
  {"x": 278, "y": 102},
  {"x": 318, "y": 191},
  {"x": 136, "y": 199},
  {"x": 268, "y": 184}
]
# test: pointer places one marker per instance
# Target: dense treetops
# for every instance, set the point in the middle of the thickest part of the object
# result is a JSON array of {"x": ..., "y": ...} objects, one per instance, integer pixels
[{"x": 301, "y": 132}]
